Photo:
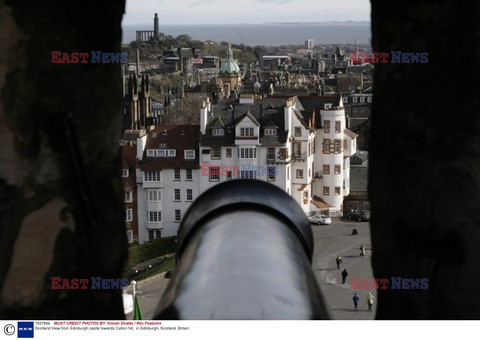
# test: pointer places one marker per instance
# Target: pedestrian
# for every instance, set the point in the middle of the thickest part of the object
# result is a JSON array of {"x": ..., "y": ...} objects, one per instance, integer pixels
[
  {"x": 339, "y": 260},
  {"x": 355, "y": 301},
  {"x": 362, "y": 250},
  {"x": 344, "y": 276},
  {"x": 370, "y": 300}
]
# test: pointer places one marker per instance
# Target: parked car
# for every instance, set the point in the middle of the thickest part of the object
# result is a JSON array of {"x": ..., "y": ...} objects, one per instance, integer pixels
[
  {"x": 359, "y": 215},
  {"x": 320, "y": 219}
]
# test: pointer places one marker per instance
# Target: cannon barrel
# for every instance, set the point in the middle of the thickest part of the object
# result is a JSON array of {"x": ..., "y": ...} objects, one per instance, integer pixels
[{"x": 244, "y": 252}]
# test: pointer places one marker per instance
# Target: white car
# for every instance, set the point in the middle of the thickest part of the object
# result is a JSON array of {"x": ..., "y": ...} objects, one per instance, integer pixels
[{"x": 320, "y": 219}]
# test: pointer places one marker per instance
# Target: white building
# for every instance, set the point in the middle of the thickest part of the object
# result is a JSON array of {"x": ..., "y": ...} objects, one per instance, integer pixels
[
  {"x": 299, "y": 144},
  {"x": 167, "y": 179}
]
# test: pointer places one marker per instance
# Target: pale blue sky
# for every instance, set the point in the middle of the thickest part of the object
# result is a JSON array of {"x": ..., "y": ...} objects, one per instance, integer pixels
[{"x": 173, "y": 12}]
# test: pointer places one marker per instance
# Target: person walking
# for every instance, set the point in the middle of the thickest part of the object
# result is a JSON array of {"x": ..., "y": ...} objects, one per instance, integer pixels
[
  {"x": 344, "y": 276},
  {"x": 370, "y": 301},
  {"x": 339, "y": 260},
  {"x": 362, "y": 250},
  {"x": 356, "y": 299}
]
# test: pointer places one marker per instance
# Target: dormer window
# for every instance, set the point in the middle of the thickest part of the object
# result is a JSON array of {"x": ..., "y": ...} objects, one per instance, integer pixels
[
  {"x": 246, "y": 132},
  {"x": 218, "y": 132},
  {"x": 270, "y": 132}
]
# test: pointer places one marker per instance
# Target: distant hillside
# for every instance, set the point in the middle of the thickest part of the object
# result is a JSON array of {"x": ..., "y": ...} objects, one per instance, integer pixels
[{"x": 347, "y": 22}]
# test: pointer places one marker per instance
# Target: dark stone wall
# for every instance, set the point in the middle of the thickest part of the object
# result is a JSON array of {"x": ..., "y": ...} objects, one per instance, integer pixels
[
  {"x": 425, "y": 158},
  {"x": 61, "y": 210}
]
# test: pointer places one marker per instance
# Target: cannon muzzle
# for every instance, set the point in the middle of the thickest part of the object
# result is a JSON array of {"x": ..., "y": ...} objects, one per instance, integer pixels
[{"x": 244, "y": 252}]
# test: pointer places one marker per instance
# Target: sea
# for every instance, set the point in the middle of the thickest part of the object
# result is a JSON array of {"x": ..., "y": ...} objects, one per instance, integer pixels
[{"x": 264, "y": 34}]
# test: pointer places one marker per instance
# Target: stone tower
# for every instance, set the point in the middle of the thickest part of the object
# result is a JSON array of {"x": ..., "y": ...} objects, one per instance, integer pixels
[{"x": 156, "y": 27}]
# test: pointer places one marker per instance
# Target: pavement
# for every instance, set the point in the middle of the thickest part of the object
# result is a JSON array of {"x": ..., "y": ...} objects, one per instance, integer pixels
[
  {"x": 330, "y": 241},
  {"x": 334, "y": 240}
]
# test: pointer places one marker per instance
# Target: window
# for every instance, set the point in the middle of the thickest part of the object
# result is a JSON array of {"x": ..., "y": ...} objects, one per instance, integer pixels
[
  {"x": 326, "y": 145},
  {"x": 247, "y": 153},
  {"x": 130, "y": 236},
  {"x": 214, "y": 174},
  {"x": 369, "y": 99},
  {"x": 216, "y": 152},
  {"x": 338, "y": 145},
  {"x": 299, "y": 173},
  {"x": 326, "y": 169},
  {"x": 272, "y": 172},
  {"x": 218, "y": 132},
  {"x": 151, "y": 176},
  {"x": 288, "y": 173},
  {"x": 343, "y": 184},
  {"x": 125, "y": 173},
  {"x": 338, "y": 125},
  {"x": 128, "y": 215},
  {"x": 326, "y": 126},
  {"x": 228, "y": 151},
  {"x": 189, "y": 195},
  {"x": 150, "y": 153},
  {"x": 128, "y": 196},
  {"x": 337, "y": 190},
  {"x": 172, "y": 153},
  {"x": 298, "y": 131},
  {"x": 153, "y": 234},
  {"x": 337, "y": 170},
  {"x": 283, "y": 154},
  {"x": 345, "y": 99},
  {"x": 189, "y": 176},
  {"x": 161, "y": 153},
  {"x": 297, "y": 150},
  {"x": 326, "y": 191},
  {"x": 176, "y": 194},
  {"x": 178, "y": 215},
  {"x": 270, "y": 154},
  {"x": 154, "y": 216},
  {"x": 247, "y": 174},
  {"x": 362, "y": 99},
  {"x": 270, "y": 132},
  {"x": 176, "y": 175},
  {"x": 229, "y": 175},
  {"x": 246, "y": 132},
  {"x": 354, "y": 99},
  {"x": 154, "y": 195},
  {"x": 189, "y": 154}
]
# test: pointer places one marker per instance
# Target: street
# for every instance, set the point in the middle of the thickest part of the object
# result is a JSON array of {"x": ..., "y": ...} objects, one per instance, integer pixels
[{"x": 330, "y": 241}]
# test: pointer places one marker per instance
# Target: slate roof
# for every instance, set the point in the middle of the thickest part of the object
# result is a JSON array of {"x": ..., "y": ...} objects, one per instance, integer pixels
[
  {"x": 264, "y": 112},
  {"x": 178, "y": 137},
  {"x": 315, "y": 104}
]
